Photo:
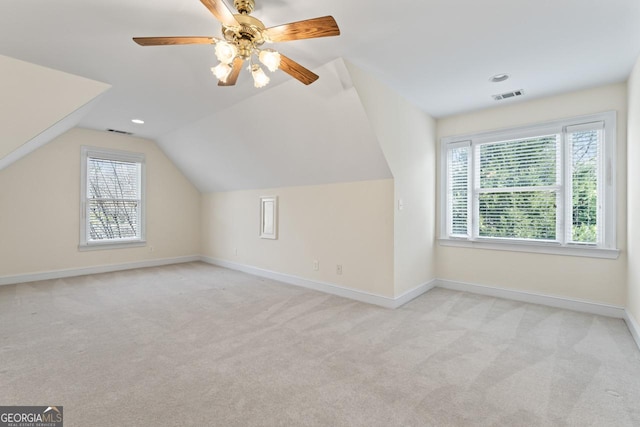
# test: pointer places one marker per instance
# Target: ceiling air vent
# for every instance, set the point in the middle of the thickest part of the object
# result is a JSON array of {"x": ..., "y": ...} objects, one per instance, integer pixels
[
  {"x": 121, "y": 132},
  {"x": 508, "y": 95}
]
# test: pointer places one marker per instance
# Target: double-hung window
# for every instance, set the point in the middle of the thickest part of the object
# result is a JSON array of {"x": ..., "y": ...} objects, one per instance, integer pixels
[
  {"x": 542, "y": 188},
  {"x": 112, "y": 199}
]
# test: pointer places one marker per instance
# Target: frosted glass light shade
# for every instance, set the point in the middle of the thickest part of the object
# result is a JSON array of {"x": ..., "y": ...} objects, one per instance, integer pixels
[
  {"x": 221, "y": 71},
  {"x": 260, "y": 79},
  {"x": 225, "y": 52},
  {"x": 270, "y": 59}
]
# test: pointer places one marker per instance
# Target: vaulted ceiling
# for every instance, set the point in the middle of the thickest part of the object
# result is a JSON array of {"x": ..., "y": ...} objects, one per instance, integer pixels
[
  {"x": 438, "y": 54},
  {"x": 39, "y": 104}
]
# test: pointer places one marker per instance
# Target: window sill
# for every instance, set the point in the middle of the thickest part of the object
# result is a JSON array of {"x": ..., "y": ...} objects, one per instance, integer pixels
[
  {"x": 111, "y": 245},
  {"x": 538, "y": 248}
]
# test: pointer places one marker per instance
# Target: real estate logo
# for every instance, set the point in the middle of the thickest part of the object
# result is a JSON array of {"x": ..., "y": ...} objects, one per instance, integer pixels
[{"x": 31, "y": 416}]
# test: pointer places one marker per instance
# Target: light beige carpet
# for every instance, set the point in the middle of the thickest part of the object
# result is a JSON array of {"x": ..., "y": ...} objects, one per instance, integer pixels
[{"x": 196, "y": 345}]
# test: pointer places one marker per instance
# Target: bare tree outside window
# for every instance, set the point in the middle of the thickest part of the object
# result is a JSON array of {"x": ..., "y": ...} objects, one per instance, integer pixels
[{"x": 113, "y": 192}]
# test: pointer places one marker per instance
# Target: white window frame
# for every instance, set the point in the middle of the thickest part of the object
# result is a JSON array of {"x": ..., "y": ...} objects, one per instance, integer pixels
[
  {"x": 607, "y": 193},
  {"x": 115, "y": 155}
]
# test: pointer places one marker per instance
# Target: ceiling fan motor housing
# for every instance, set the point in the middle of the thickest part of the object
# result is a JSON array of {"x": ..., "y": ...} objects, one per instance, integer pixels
[{"x": 247, "y": 36}]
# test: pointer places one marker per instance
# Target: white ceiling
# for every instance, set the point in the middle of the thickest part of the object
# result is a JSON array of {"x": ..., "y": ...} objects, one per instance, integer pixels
[
  {"x": 35, "y": 99},
  {"x": 438, "y": 54},
  {"x": 317, "y": 135}
]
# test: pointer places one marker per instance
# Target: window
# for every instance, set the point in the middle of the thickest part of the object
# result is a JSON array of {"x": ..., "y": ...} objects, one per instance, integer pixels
[
  {"x": 112, "y": 203},
  {"x": 542, "y": 188}
]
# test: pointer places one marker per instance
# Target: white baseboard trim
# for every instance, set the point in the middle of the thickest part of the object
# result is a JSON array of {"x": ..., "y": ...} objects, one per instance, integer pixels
[
  {"x": 414, "y": 293},
  {"x": 535, "y": 298},
  {"x": 73, "y": 272},
  {"x": 357, "y": 295},
  {"x": 633, "y": 326},
  {"x": 328, "y": 288}
]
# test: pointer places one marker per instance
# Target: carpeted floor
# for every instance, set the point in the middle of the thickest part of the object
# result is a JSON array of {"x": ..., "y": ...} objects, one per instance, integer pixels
[{"x": 196, "y": 345}]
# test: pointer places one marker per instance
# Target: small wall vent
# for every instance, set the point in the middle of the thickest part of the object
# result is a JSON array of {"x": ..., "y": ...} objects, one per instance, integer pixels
[
  {"x": 121, "y": 132},
  {"x": 508, "y": 95}
]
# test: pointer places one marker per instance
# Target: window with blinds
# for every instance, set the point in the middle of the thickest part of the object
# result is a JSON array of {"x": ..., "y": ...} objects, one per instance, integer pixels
[
  {"x": 112, "y": 197},
  {"x": 548, "y": 184},
  {"x": 458, "y": 200},
  {"x": 584, "y": 144},
  {"x": 518, "y": 188}
]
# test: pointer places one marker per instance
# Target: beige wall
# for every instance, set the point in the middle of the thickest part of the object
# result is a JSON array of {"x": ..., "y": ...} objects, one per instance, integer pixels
[
  {"x": 407, "y": 138},
  {"x": 349, "y": 224},
  {"x": 633, "y": 194},
  {"x": 34, "y": 98},
  {"x": 40, "y": 208},
  {"x": 383, "y": 250},
  {"x": 591, "y": 279}
]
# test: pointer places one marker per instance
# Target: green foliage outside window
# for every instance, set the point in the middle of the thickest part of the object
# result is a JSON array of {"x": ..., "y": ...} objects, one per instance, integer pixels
[
  {"x": 521, "y": 165},
  {"x": 513, "y": 200}
]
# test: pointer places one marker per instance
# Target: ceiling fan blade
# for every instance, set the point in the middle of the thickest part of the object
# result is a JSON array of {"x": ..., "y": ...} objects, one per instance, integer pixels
[
  {"x": 164, "y": 41},
  {"x": 297, "y": 71},
  {"x": 221, "y": 12},
  {"x": 235, "y": 72},
  {"x": 325, "y": 26}
]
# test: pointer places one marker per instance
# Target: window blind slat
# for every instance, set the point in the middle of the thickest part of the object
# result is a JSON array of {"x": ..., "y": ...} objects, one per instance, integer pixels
[
  {"x": 584, "y": 127},
  {"x": 585, "y": 152},
  {"x": 519, "y": 163},
  {"x": 458, "y": 192},
  {"x": 113, "y": 179},
  {"x": 518, "y": 215},
  {"x": 517, "y": 181},
  {"x": 113, "y": 199},
  {"x": 113, "y": 220}
]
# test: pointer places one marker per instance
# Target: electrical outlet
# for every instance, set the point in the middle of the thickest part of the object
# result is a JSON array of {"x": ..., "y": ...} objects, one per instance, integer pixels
[
  {"x": 316, "y": 265},
  {"x": 235, "y": 251},
  {"x": 339, "y": 269},
  {"x": 150, "y": 248}
]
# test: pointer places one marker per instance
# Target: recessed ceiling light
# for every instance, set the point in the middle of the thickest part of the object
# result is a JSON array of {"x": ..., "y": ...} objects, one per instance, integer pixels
[
  {"x": 138, "y": 121},
  {"x": 499, "y": 78}
]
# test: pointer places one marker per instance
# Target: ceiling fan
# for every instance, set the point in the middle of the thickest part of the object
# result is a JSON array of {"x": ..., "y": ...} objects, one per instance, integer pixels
[{"x": 243, "y": 37}]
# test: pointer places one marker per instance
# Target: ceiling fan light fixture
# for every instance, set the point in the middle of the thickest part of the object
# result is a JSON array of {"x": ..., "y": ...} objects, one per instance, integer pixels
[
  {"x": 243, "y": 37},
  {"x": 221, "y": 71},
  {"x": 270, "y": 58},
  {"x": 225, "y": 52},
  {"x": 260, "y": 79}
]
